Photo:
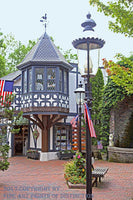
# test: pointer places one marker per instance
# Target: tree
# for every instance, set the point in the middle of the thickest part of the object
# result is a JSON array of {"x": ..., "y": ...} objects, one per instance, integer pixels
[
  {"x": 97, "y": 93},
  {"x": 2, "y": 59},
  {"x": 121, "y": 73},
  {"x": 8, "y": 121},
  {"x": 70, "y": 57},
  {"x": 18, "y": 54},
  {"x": 15, "y": 51},
  {"x": 122, "y": 13}
]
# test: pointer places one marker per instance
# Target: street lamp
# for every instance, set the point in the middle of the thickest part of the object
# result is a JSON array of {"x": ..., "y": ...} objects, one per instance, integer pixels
[
  {"x": 87, "y": 44},
  {"x": 80, "y": 96}
]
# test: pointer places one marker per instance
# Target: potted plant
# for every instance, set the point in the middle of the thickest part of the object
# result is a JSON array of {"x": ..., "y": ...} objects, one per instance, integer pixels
[
  {"x": 66, "y": 154},
  {"x": 33, "y": 154},
  {"x": 75, "y": 172},
  {"x": 104, "y": 154}
]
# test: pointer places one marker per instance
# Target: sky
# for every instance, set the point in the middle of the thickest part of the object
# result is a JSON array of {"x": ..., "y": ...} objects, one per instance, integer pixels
[{"x": 22, "y": 19}]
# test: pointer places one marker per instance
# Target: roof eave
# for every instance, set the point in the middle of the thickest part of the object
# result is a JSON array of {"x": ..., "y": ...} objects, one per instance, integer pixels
[{"x": 21, "y": 66}]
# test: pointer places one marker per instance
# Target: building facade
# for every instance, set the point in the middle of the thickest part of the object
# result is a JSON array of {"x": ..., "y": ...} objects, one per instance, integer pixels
[{"x": 44, "y": 90}]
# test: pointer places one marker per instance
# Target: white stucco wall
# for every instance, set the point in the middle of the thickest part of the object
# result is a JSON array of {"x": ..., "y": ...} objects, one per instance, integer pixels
[{"x": 17, "y": 82}]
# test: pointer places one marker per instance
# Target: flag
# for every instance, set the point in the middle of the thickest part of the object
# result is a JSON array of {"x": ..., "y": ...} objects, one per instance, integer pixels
[
  {"x": 6, "y": 88},
  {"x": 90, "y": 124},
  {"x": 99, "y": 145},
  {"x": 74, "y": 120}
]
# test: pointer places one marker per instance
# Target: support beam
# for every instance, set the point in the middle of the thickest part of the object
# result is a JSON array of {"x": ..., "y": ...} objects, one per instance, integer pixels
[
  {"x": 55, "y": 119},
  {"x": 33, "y": 120},
  {"x": 38, "y": 120},
  {"x": 45, "y": 133}
]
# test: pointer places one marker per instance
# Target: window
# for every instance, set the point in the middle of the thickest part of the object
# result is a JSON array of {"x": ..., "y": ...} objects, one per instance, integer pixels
[
  {"x": 60, "y": 80},
  {"x": 29, "y": 80},
  {"x": 39, "y": 79},
  {"x": 62, "y": 138},
  {"x": 65, "y": 82},
  {"x": 51, "y": 79},
  {"x": 25, "y": 82}
]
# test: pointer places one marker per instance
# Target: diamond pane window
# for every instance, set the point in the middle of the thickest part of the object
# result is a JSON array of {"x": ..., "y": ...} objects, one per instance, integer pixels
[
  {"x": 65, "y": 82},
  {"x": 25, "y": 82},
  {"x": 60, "y": 80},
  {"x": 51, "y": 79},
  {"x": 39, "y": 79},
  {"x": 29, "y": 80}
]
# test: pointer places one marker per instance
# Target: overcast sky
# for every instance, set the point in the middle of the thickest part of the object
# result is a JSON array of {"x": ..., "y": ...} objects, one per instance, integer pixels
[{"x": 22, "y": 19}]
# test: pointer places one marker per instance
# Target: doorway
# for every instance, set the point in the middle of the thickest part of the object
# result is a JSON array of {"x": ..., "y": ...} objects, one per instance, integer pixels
[{"x": 21, "y": 141}]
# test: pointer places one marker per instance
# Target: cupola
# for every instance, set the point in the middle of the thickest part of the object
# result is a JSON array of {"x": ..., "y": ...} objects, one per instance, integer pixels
[{"x": 45, "y": 75}]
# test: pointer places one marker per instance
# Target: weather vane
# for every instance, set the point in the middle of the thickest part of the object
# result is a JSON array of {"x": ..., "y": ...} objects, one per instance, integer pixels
[{"x": 44, "y": 20}]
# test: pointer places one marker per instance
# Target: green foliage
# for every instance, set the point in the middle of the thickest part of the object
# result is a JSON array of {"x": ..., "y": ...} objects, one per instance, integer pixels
[
  {"x": 122, "y": 13},
  {"x": 12, "y": 52},
  {"x": 111, "y": 96},
  {"x": 75, "y": 171},
  {"x": 120, "y": 85},
  {"x": 8, "y": 120},
  {"x": 4, "y": 149},
  {"x": 2, "y": 58},
  {"x": 35, "y": 134},
  {"x": 70, "y": 57},
  {"x": 97, "y": 93},
  {"x": 121, "y": 75},
  {"x": 18, "y": 54},
  {"x": 67, "y": 151}
]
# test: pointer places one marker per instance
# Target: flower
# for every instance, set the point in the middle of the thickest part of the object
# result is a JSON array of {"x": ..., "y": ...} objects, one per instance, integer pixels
[
  {"x": 79, "y": 156},
  {"x": 83, "y": 170}
]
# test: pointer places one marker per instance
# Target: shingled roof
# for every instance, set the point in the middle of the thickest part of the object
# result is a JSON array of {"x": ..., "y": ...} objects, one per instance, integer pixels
[
  {"x": 44, "y": 52},
  {"x": 12, "y": 76}
]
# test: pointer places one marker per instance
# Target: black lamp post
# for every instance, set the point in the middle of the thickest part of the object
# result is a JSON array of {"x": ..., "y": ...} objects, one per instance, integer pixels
[
  {"x": 88, "y": 43},
  {"x": 80, "y": 95}
]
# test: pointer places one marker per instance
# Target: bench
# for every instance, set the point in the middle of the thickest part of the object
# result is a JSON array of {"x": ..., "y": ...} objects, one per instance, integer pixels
[{"x": 98, "y": 172}]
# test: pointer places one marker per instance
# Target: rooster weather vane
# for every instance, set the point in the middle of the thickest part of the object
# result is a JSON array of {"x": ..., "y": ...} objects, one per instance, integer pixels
[{"x": 44, "y": 21}]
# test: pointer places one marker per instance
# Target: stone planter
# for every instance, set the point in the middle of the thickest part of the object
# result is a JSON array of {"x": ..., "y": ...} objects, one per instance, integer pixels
[
  {"x": 62, "y": 156},
  {"x": 78, "y": 186},
  {"x": 122, "y": 155},
  {"x": 33, "y": 155}
]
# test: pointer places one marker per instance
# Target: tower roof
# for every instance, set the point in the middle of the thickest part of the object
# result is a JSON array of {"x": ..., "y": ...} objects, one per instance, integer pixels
[{"x": 44, "y": 53}]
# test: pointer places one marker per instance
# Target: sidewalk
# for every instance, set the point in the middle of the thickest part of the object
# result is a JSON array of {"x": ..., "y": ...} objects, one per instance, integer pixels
[{"x": 34, "y": 180}]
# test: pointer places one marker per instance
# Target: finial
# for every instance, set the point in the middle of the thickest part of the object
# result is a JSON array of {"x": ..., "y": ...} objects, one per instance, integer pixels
[
  {"x": 44, "y": 20},
  {"x": 89, "y": 23}
]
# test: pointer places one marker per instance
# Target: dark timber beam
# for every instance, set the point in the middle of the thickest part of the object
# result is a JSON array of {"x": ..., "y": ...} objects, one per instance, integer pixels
[
  {"x": 33, "y": 120},
  {"x": 45, "y": 133}
]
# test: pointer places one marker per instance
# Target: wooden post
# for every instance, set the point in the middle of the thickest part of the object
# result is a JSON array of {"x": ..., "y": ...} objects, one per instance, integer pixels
[{"x": 45, "y": 133}]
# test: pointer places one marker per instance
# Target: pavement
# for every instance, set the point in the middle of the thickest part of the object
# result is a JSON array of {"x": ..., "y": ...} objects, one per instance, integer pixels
[{"x": 28, "y": 179}]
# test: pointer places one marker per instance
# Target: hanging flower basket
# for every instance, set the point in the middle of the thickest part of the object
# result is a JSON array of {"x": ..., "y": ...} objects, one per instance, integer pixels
[{"x": 35, "y": 134}]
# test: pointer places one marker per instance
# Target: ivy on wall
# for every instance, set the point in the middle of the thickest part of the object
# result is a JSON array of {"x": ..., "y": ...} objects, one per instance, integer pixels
[
  {"x": 111, "y": 96},
  {"x": 104, "y": 98},
  {"x": 115, "y": 91}
]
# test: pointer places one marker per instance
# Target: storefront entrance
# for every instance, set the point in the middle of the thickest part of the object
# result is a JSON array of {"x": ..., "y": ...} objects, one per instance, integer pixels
[
  {"x": 21, "y": 141},
  {"x": 63, "y": 140}
]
